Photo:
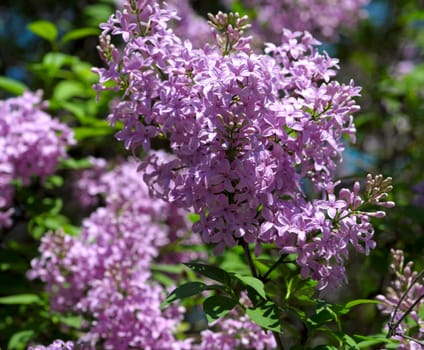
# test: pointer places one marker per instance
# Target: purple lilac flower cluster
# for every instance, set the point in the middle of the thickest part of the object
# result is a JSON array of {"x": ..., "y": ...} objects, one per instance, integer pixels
[
  {"x": 324, "y": 18},
  {"x": 105, "y": 271},
  {"x": 189, "y": 25},
  {"x": 246, "y": 131},
  {"x": 31, "y": 145},
  {"x": 56, "y": 345},
  {"x": 404, "y": 296}
]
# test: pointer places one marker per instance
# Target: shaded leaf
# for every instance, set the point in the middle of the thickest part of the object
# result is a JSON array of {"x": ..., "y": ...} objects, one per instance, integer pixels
[
  {"x": 217, "y": 306},
  {"x": 321, "y": 316},
  {"x": 211, "y": 272},
  {"x": 254, "y": 283},
  {"x": 79, "y": 34},
  {"x": 186, "y": 290}
]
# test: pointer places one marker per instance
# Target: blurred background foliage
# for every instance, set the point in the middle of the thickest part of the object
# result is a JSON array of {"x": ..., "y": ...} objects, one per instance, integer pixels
[{"x": 50, "y": 45}]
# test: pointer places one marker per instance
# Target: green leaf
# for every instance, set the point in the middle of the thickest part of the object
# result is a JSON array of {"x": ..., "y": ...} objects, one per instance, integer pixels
[
  {"x": 53, "y": 181},
  {"x": 51, "y": 64},
  {"x": 364, "y": 342},
  {"x": 217, "y": 306},
  {"x": 322, "y": 315},
  {"x": 267, "y": 316},
  {"x": 167, "y": 268},
  {"x": 349, "y": 343},
  {"x": 253, "y": 282},
  {"x": 186, "y": 290},
  {"x": 72, "y": 163},
  {"x": 19, "y": 340},
  {"x": 79, "y": 34},
  {"x": 71, "y": 229},
  {"x": 193, "y": 217},
  {"x": 85, "y": 132},
  {"x": 45, "y": 29},
  {"x": 13, "y": 86},
  {"x": 325, "y": 347},
  {"x": 67, "y": 89},
  {"x": 98, "y": 13},
  {"x": 211, "y": 272},
  {"x": 71, "y": 321},
  {"x": 21, "y": 299},
  {"x": 356, "y": 302},
  {"x": 164, "y": 280}
]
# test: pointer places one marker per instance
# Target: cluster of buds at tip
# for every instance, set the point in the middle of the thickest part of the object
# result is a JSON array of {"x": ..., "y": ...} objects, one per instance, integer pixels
[
  {"x": 105, "y": 48},
  {"x": 377, "y": 190},
  {"x": 224, "y": 21},
  {"x": 229, "y": 30}
]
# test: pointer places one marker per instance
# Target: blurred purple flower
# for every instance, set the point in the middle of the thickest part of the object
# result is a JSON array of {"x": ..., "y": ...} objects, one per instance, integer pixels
[{"x": 31, "y": 145}]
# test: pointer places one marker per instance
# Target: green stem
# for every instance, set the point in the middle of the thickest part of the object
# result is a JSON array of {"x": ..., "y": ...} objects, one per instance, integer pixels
[
  {"x": 278, "y": 262},
  {"x": 249, "y": 258}
]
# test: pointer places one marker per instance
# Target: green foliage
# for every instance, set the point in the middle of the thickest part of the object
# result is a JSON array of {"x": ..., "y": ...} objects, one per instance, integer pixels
[
  {"x": 267, "y": 315},
  {"x": 45, "y": 29},
  {"x": 12, "y": 86},
  {"x": 217, "y": 306}
]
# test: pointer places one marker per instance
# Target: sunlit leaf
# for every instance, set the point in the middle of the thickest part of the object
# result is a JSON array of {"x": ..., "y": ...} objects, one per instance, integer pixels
[
  {"x": 266, "y": 316},
  {"x": 79, "y": 34},
  {"x": 20, "y": 299},
  {"x": 254, "y": 283},
  {"x": 12, "y": 86},
  {"x": 19, "y": 340},
  {"x": 44, "y": 29}
]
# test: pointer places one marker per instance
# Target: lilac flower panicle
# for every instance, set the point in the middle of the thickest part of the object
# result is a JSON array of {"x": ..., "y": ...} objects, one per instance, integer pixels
[
  {"x": 189, "y": 25},
  {"x": 105, "y": 271},
  {"x": 56, "y": 345},
  {"x": 31, "y": 145},
  {"x": 404, "y": 291},
  {"x": 245, "y": 131},
  {"x": 323, "y": 18}
]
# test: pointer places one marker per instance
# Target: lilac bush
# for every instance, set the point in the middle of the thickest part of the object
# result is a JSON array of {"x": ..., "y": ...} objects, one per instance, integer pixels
[
  {"x": 56, "y": 345},
  {"x": 246, "y": 131},
  {"x": 31, "y": 145},
  {"x": 104, "y": 273}
]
